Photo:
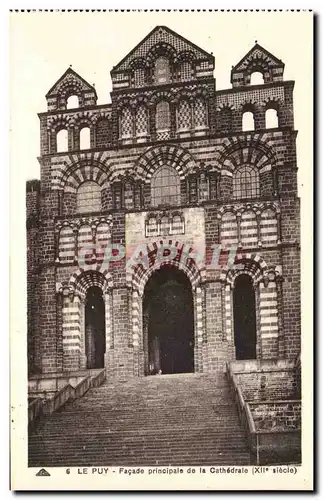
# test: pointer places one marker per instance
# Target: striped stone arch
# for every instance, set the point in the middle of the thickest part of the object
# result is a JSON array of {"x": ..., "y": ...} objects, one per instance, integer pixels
[
  {"x": 245, "y": 263},
  {"x": 137, "y": 63},
  {"x": 166, "y": 155},
  {"x": 54, "y": 123},
  {"x": 269, "y": 206},
  {"x": 160, "y": 49},
  {"x": 80, "y": 281},
  {"x": 102, "y": 115},
  {"x": 83, "y": 170},
  {"x": 201, "y": 92},
  {"x": 69, "y": 87},
  {"x": 224, "y": 106},
  {"x": 247, "y": 150},
  {"x": 250, "y": 102},
  {"x": 161, "y": 95},
  {"x": 185, "y": 56},
  {"x": 275, "y": 102},
  {"x": 81, "y": 117},
  {"x": 185, "y": 94},
  {"x": 258, "y": 208},
  {"x": 138, "y": 275},
  {"x": 256, "y": 63}
]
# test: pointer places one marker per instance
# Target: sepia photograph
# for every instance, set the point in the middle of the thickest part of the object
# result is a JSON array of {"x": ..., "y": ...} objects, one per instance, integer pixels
[{"x": 164, "y": 179}]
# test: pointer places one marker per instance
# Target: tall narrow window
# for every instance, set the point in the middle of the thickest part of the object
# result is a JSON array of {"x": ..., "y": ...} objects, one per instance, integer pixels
[
  {"x": 184, "y": 116},
  {"x": 162, "y": 73},
  {"x": 72, "y": 102},
  {"x": 126, "y": 123},
  {"x": 165, "y": 187},
  {"x": 89, "y": 197},
  {"x": 248, "y": 122},
  {"x": 246, "y": 183},
  {"x": 271, "y": 118},
  {"x": 62, "y": 141},
  {"x": 162, "y": 118},
  {"x": 85, "y": 138},
  {"x": 256, "y": 78}
]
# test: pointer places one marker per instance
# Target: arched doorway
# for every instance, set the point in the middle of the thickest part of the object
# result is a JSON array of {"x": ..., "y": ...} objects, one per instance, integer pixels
[
  {"x": 94, "y": 328},
  {"x": 168, "y": 320},
  {"x": 244, "y": 312}
]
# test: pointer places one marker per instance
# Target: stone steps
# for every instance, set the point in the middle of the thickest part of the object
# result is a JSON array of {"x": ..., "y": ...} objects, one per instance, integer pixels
[{"x": 184, "y": 419}]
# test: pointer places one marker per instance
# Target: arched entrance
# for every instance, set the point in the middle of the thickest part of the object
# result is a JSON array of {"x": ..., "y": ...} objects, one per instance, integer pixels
[
  {"x": 94, "y": 328},
  {"x": 168, "y": 322},
  {"x": 244, "y": 312}
]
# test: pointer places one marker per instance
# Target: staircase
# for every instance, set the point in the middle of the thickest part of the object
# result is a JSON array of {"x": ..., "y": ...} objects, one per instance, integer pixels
[{"x": 182, "y": 419}]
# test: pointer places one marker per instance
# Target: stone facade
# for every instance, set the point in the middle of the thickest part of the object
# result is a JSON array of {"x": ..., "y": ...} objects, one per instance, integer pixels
[{"x": 225, "y": 185}]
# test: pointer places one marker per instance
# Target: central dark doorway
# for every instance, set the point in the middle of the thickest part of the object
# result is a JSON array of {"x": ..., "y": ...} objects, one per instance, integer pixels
[
  {"x": 168, "y": 322},
  {"x": 244, "y": 308},
  {"x": 94, "y": 328}
]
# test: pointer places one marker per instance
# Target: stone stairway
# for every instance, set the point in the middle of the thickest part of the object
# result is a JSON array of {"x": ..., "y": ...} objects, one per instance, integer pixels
[{"x": 182, "y": 419}]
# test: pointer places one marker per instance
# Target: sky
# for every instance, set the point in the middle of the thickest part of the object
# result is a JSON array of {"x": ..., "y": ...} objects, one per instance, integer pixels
[{"x": 43, "y": 45}]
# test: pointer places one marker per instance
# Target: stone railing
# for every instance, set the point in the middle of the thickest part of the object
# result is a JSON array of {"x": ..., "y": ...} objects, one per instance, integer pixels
[
  {"x": 98, "y": 378},
  {"x": 35, "y": 408},
  {"x": 50, "y": 395},
  {"x": 272, "y": 428}
]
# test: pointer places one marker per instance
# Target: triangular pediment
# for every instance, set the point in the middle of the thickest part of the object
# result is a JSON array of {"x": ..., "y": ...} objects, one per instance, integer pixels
[
  {"x": 70, "y": 79},
  {"x": 162, "y": 35},
  {"x": 258, "y": 53}
]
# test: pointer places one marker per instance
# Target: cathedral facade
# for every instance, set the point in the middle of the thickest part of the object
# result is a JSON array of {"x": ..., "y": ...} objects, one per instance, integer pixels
[{"x": 163, "y": 235}]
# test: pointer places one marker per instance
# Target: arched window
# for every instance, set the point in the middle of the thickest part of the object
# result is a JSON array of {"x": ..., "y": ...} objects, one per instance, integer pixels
[
  {"x": 184, "y": 116},
  {"x": 126, "y": 123},
  {"x": 248, "y": 122},
  {"x": 271, "y": 118},
  {"x": 162, "y": 116},
  {"x": 62, "y": 140},
  {"x": 186, "y": 71},
  {"x": 256, "y": 78},
  {"x": 89, "y": 197},
  {"x": 139, "y": 77},
  {"x": 246, "y": 183},
  {"x": 165, "y": 187},
  {"x": 72, "y": 102},
  {"x": 162, "y": 73},
  {"x": 85, "y": 138}
]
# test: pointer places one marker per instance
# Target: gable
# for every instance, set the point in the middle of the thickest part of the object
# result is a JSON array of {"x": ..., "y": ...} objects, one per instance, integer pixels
[
  {"x": 165, "y": 36},
  {"x": 70, "y": 80},
  {"x": 258, "y": 53}
]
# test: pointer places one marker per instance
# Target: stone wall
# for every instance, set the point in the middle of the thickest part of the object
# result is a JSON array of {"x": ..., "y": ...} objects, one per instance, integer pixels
[{"x": 276, "y": 416}]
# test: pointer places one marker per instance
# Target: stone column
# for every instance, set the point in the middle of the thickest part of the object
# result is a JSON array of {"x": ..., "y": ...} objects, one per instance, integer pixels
[
  {"x": 280, "y": 308},
  {"x": 108, "y": 326},
  {"x": 59, "y": 332}
]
